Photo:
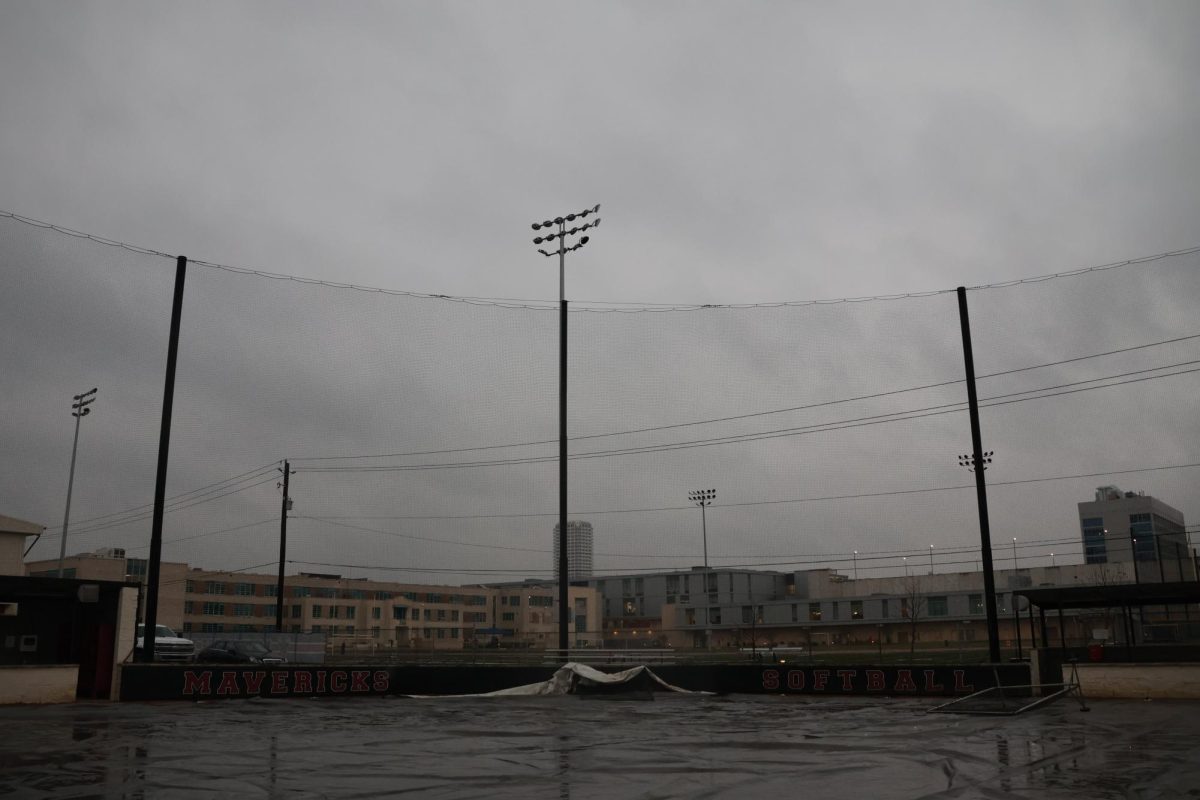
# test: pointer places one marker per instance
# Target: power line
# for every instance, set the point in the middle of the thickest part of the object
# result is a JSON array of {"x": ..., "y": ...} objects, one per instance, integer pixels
[
  {"x": 824, "y": 498},
  {"x": 750, "y": 415},
  {"x": 178, "y": 507},
  {"x": 823, "y": 427},
  {"x": 180, "y": 496}
]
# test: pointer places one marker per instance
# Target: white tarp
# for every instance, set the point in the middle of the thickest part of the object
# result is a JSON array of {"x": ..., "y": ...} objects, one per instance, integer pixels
[{"x": 572, "y": 675}]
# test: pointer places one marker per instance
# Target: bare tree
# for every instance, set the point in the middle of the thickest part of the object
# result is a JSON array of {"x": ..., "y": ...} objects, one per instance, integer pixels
[{"x": 912, "y": 606}]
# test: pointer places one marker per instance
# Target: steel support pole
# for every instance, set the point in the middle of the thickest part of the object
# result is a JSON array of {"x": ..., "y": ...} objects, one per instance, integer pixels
[
  {"x": 164, "y": 449},
  {"x": 563, "y": 566},
  {"x": 985, "y": 536},
  {"x": 283, "y": 516}
]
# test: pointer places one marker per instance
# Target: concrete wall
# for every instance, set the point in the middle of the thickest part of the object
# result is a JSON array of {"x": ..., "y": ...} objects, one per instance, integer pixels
[
  {"x": 38, "y": 684},
  {"x": 1139, "y": 681}
]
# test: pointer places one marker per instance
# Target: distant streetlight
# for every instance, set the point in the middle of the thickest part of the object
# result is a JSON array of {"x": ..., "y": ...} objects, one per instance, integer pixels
[
  {"x": 704, "y": 498},
  {"x": 905, "y": 559},
  {"x": 1015, "y": 568},
  {"x": 930, "y": 559},
  {"x": 1052, "y": 559},
  {"x": 855, "y": 565},
  {"x": 79, "y": 411}
]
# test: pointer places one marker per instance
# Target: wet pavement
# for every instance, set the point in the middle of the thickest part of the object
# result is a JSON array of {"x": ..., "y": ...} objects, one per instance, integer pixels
[{"x": 570, "y": 747}]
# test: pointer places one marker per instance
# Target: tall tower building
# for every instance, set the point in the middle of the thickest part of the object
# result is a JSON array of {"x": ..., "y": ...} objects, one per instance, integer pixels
[
  {"x": 1133, "y": 526},
  {"x": 579, "y": 550}
]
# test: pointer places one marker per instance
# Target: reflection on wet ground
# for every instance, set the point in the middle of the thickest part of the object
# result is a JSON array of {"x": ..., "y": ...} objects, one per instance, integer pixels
[{"x": 568, "y": 747}]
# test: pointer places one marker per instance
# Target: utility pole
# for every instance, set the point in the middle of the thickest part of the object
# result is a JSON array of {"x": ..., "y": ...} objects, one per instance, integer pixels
[
  {"x": 79, "y": 411},
  {"x": 564, "y": 612},
  {"x": 285, "y": 507}
]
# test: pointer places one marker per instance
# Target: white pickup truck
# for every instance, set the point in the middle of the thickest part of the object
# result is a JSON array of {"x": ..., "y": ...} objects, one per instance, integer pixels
[{"x": 167, "y": 646}]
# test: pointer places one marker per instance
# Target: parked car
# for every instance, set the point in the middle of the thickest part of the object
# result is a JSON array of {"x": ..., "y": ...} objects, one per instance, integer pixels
[
  {"x": 167, "y": 646},
  {"x": 235, "y": 652}
]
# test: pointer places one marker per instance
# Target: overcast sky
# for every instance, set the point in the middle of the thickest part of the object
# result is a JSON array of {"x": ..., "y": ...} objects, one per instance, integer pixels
[{"x": 744, "y": 153}]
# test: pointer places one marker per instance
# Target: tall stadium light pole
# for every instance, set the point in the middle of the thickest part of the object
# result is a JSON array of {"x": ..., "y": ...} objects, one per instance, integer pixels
[
  {"x": 79, "y": 411},
  {"x": 154, "y": 567},
  {"x": 559, "y": 232},
  {"x": 704, "y": 498},
  {"x": 978, "y": 462}
]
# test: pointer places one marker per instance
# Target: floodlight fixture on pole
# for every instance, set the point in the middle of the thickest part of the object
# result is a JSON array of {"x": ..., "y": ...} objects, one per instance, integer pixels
[
  {"x": 560, "y": 235},
  {"x": 704, "y": 498},
  {"x": 79, "y": 410},
  {"x": 970, "y": 462}
]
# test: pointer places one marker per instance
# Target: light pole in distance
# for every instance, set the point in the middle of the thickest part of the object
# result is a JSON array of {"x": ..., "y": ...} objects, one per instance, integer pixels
[
  {"x": 704, "y": 498},
  {"x": 560, "y": 233},
  {"x": 79, "y": 411}
]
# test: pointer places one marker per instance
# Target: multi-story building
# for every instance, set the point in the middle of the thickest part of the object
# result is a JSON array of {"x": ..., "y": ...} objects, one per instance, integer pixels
[
  {"x": 383, "y": 615},
  {"x": 579, "y": 549},
  {"x": 1134, "y": 528},
  {"x": 731, "y": 608},
  {"x": 112, "y": 564}
]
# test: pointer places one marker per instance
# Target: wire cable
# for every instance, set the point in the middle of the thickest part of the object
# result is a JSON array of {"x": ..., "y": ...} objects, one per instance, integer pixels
[{"x": 592, "y": 306}]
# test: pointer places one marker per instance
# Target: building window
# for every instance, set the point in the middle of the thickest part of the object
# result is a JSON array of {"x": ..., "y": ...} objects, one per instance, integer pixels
[
  {"x": 317, "y": 611},
  {"x": 508, "y": 616},
  {"x": 795, "y": 613},
  {"x": 1141, "y": 529},
  {"x": 243, "y": 610},
  {"x": 747, "y": 614},
  {"x": 454, "y": 615},
  {"x": 190, "y": 587},
  {"x": 639, "y": 586},
  {"x": 710, "y": 582},
  {"x": 690, "y": 616},
  {"x": 441, "y": 615},
  {"x": 214, "y": 609},
  {"x": 883, "y": 609},
  {"x": 301, "y": 591},
  {"x": 904, "y": 612},
  {"x": 856, "y": 609},
  {"x": 327, "y": 592},
  {"x": 428, "y": 615},
  {"x": 814, "y": 612},
  {"x": 297, "y": 612},
  {"x": 400, "y": 613},
  {"x": 270, "y": 590},
  {"x": 244, "y": 589},
  {"x": 1095, "y": 546},
  {"x": 833, "y": 610},
  {"x": 454, "y": 634},
  {"x": 938, "y": 605},
  {"x": 714, "y": 615},
  {"x": 544, "y": 602},
  {"x": 383, "y": 595},
  {"x": 351, "y": 611},
  {"x": 335, "y": 612},
  {"x": 136, "y": 567},
  {"x": 975, "y": 603},
  {"x": 188, "y": 607},
  {"x": 214, "y": 587},
  {"x": 376, "y": 613}
]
